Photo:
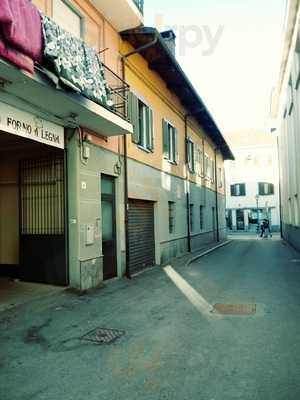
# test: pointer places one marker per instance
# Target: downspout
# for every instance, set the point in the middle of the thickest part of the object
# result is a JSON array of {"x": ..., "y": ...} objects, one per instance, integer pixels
[
  {"x": 280, "y": 191},
  {"x": 187, "y": 183},
  {"x": 217, "y": 198},
  {"x": 126, "y": 200}
]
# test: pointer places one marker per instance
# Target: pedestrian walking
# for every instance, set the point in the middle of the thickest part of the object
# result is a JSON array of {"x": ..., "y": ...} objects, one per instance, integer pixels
[
  {"x": 262, "y": 229},
  {"x": 267, "y": 228}
]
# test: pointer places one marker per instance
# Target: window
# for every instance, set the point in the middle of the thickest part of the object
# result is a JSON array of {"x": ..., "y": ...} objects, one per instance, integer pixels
[
  {"x": 212, "y": 170},
  {"x": 191, "y": 155},
  {"x": 206, "y": 166},
  {"x": 265, "y": 189},
  {"x": 200, "y": 161},
  {"x": 66, "y": 16},
  {"x": 141, "y": 117},
  {"x": 192, "y": 217},
  {"x": 171, "y": 211},
  {"x": 238, "y": 189},
  {"x": 201, "y": 218},
  {"x": 220, "y": 177},
  {"x": 170, "y": 146}
]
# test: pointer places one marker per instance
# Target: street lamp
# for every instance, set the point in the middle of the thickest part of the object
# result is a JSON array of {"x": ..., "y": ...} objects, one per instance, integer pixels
[{"x": 257, "y": 198}]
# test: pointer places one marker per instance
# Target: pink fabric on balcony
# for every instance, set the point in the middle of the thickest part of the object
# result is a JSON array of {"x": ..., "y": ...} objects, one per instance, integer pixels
[
  {"x": 14, "y": 56},
  {"x": 22, "y": 27}
]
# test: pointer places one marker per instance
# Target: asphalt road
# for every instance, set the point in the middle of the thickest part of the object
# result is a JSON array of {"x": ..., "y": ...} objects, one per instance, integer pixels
[{"x": 174, "y": 348}]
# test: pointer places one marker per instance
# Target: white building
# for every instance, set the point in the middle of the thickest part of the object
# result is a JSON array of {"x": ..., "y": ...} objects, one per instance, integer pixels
[
  {"x": 252, "y": 181},
  {"x": 286, "y": 115}
]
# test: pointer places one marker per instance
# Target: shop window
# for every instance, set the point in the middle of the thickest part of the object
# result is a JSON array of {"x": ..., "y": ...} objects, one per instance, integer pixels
[
  {"x": 171, "y": 212},
  {"x": 265, "y": 189},
  {"x": 66, "y": 16},
  {"x": 170, "y": 142},
  {"x": 238, "y": 189}
]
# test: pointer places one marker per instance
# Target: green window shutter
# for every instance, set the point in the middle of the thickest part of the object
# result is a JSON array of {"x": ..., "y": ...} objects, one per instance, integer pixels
[
  {"x": 150, "y": 132},
  {"x": 261, "y": 189},
  {"x": 176, "y": 146},
  {"x": 134, "y": 117},
  {"x": 166, "y": 139}
]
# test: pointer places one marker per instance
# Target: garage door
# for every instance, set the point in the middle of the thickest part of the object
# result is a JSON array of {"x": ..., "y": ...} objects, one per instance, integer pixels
[{"x": 141, "y": 235}]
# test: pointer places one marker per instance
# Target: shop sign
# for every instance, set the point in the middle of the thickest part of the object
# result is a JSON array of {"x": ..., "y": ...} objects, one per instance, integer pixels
[{"x": 29, "y": 126}]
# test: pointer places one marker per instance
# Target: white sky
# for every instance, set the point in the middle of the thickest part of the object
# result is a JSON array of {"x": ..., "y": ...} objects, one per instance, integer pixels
[{"x": 236, "y": 80}]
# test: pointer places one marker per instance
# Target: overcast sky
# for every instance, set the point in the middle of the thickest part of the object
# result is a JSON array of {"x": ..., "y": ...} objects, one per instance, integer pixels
[{"x": 230, "y": 50}]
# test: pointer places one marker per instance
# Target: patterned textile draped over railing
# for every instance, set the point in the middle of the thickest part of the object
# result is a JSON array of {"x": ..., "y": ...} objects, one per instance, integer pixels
[
  {"x": 140, "y": 5},
  {"x": 76, "y": 64}
]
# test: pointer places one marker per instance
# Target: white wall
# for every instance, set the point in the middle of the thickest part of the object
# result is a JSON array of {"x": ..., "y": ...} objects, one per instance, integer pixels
[{"x": 254, "y": 164}]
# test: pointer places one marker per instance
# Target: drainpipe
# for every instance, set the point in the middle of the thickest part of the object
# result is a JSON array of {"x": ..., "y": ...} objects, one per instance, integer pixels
[
  {"x": 187, "y": 183},
  {"x": 126, "y": 202},
  {"x": 280, "y": 191},
  {"x": 217, "y": 199}
]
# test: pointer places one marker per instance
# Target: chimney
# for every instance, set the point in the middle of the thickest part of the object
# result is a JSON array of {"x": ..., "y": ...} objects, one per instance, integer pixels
[{"x": 170, "y": 40}]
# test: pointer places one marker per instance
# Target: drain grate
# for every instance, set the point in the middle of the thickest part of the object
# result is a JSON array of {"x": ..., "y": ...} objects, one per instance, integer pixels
[
  {"x": 234, "y": 309},
  {"x": 103, "y": 335}
]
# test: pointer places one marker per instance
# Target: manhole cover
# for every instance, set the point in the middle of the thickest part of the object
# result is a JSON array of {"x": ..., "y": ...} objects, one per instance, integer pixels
[
  {"x": 234, "y": 309},
  {"x": 103, "y": 335}
]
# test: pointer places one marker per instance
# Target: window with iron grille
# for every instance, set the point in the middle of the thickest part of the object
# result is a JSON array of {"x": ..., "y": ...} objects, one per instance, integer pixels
[
  {"x": 192, "y": 217},
  {"x": 42, "y": 197},
  {"x": 171, "y": 213},
  {"x": 201, "y": 218}
]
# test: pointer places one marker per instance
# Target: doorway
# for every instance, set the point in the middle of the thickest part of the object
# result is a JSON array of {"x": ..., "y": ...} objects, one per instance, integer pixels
[
  {"x": 32, "y": 211},
  {"x": 240, "y": 222},
  {"x": 109, "y": 248}
]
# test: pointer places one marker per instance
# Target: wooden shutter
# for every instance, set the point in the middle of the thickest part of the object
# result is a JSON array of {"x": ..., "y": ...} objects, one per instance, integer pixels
[
  {"x": 149, "y": 130},
  {"x": 261, "y": 189},
  {"x": 134, "y": 117},
  {"x": 166, "y": 139},
  {"x": 232, "y": 190},
  {"x": 176, "y": 145},
  {"x": 242, "y": 189}
]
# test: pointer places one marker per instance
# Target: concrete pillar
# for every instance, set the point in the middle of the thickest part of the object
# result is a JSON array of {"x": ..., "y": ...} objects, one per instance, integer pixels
[{"x": 233, "y": 220}]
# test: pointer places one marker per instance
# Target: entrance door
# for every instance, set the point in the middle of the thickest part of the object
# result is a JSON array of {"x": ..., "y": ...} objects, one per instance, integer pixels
[
  {"x": 240, "y": 222},
  {"x": 141, "y": 235},
  {"x": 108, "y": 227},
  {"x": 42, "y": 221}
]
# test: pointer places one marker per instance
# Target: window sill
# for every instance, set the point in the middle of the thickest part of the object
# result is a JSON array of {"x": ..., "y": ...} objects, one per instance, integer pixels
[
  {"x": 144, "y": 149},
  {"x": 171, "y": 162}
]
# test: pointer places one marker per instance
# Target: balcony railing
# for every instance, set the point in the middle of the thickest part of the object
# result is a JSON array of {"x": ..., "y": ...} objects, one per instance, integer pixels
[
  {"x": 119, "y": 93},
  {"x": 140, "y": 5}
]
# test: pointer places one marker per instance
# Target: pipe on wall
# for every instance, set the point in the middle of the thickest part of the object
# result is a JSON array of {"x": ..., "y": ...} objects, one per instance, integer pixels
[
  {"x": 217, "y": 198},
  {"x": 187, "y": 183}
]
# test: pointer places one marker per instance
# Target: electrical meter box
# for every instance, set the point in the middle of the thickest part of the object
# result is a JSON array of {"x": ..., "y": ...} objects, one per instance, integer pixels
[{"x": 90, "y": 234}]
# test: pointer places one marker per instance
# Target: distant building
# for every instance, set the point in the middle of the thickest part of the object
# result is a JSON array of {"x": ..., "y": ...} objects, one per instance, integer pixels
[
  {"x": 286, "y": 115},
  {"x": 252, "y": 189}
]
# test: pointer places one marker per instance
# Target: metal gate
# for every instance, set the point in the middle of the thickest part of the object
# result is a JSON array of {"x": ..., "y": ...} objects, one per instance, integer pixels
[
  {"x": 42, "y": 221},
  {"x": 141, "y": 235}
]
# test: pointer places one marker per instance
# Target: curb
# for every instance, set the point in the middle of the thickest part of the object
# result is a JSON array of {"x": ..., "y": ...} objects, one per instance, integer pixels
[{"x": 207, "y": 252}]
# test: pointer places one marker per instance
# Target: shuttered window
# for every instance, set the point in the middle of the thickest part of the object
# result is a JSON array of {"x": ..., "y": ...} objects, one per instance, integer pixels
[
  {"x": 170, "y": 142},
  {"x": 265, "y": 189},
  {"x": 190, "y": 155},
  {"x": 66, "y": 16},
  {"x": 199, "y": 161},
  {"x": 141, "y": 117},
  {"x": 238, "y": 189}
]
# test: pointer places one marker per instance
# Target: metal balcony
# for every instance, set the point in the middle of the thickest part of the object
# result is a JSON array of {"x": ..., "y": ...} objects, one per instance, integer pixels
[{"x": 119, "y": 93}]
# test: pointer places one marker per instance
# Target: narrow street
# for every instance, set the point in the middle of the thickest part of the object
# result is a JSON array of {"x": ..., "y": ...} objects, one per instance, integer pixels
[{"x": 173, "y": 347}]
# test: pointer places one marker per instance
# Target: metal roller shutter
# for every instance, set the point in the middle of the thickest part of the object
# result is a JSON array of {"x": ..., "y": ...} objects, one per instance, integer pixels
[{"x": 141, "y": 235}]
